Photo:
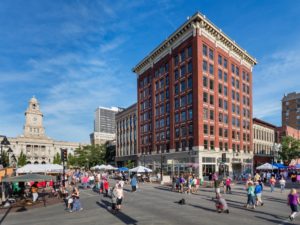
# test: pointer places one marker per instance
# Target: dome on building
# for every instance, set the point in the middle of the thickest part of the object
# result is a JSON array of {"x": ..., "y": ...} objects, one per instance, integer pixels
[{"x": 33, "y": 100}]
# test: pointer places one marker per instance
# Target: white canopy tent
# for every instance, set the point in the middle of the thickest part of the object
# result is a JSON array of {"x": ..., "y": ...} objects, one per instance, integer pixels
[
  {"x": 140, "y": 169},
  {"x": 110, "y": 167},
  {"x": 99, "y": 167},
  {"x": 267, "y": 166},
  {"x": 40, "y": 168}
]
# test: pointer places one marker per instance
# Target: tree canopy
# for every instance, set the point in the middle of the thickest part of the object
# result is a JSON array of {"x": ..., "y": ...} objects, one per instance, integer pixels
[
  {"x": 290, "y": 148},
  {"x": 22, "y": 159}
]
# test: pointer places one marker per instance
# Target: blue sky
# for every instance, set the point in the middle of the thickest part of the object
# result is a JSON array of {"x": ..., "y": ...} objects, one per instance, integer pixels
[{"x": 77, "y": 55}]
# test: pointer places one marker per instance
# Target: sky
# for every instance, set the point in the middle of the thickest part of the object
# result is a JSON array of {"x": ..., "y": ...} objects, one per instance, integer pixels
[{"x": 75, "y": 56}]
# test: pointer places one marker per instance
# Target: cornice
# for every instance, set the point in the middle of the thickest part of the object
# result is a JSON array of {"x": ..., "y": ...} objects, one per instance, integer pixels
[{"x": 203, "y": 25}]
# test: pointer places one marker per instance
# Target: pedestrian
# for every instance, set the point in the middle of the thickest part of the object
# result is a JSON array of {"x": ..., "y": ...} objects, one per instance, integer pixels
[
  {"x": 76, "y": 200},
  {"x": 282, "y": 184},
  {"x": 250, "y": 195},
  {"x": 258, "y": 193},
  {"x": 133, "y": 183},
  {"x": 181, "y": 183},
  {"x": 118, "y": 192},
  {"x": 217, "y": 186},
  {"x": 105, "y": 187},
  {"x": 228, "y": 185},
  {"x": 293, "y": 201},
  {"x": 221, "y": 204},
  {"x": 272, "y": 183},
  {"x": 34, "y": 192}
]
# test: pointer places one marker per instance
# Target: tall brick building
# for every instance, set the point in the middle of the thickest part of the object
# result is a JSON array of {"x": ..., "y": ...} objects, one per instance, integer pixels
[
  {"x": 195, "y": 101},
  {"x": 291, "y": 110}
]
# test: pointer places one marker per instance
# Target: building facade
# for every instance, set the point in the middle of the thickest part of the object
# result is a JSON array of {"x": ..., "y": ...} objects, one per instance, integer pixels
[
  {"x": 126, "y": 124},
  {"x": 265, "y": 146},
  {"x": 285, "y": 131},
  {"x": 38, "y": 148},
  {"x": 104, "y": 125},
  {"x": 195, "y": 101},
  {"x": 291, "y": 110}
]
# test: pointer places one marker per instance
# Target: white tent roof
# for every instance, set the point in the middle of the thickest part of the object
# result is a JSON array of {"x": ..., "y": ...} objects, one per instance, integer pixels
[
  {"x": 140, "y": 169},
  {"x": 110, "y": 167},
  {"x": 40, "y": 168},
  {"x": 99, "y": 167},
  {"x": 267, "y": 166}
]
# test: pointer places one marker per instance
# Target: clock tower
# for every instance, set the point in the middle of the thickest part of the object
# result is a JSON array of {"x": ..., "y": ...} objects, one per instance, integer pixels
[{"x": 34, "y": 120}]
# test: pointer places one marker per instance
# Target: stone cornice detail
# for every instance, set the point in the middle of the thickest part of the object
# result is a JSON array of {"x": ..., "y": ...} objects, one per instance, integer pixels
[{"x": 206, "y": 28}]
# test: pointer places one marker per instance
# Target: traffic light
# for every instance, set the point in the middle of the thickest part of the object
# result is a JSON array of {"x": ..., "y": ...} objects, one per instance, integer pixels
[
  {"x": 64, "y": 154},
  {"x": 223, "y": 157}
]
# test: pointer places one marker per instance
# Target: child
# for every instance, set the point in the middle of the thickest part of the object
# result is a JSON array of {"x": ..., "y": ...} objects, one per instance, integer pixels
[{"x": 221, "y": 204}]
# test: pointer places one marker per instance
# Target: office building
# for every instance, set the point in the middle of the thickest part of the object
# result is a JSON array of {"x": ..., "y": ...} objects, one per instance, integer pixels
[
  {"x": 195, "y": 102},
  {"x": 291, "y": 110}
]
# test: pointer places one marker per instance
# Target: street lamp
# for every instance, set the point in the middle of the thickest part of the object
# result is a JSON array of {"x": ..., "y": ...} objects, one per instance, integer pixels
[{"x": 5, "y": 143}]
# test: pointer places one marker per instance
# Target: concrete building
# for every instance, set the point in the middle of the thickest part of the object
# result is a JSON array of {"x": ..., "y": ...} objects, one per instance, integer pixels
[
  {"x": 126, "y": 122},
  {"x": 34, "y": 143},
  {"x": 265, "y": 145},
  {"x": 195, "y": 102},
  {"x": 104, "y": 125},
  {"x": 291, "y": 110}
]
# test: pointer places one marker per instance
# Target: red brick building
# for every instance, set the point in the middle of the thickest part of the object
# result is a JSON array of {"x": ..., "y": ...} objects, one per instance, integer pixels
[{"x": 195, "y": 101}]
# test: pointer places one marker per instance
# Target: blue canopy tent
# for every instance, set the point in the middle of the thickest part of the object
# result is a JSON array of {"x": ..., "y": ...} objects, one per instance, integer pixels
[
  {"x": 280, "y": 166},
  {"x": 123, "y": 169}
]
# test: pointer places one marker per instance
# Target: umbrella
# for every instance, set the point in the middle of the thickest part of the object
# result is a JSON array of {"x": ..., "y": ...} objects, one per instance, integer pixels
[
  {"x": 140, "y": 169},
  {"x": 41, "y": 168},
  {"x": 123, "y": 169},
  {"x": 267, "y": 166},
  {"x": 29, "y": 177},
  {"x": 279, "y": 165}
]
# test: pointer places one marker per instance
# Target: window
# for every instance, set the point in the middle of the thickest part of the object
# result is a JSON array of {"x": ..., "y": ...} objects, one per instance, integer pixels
[
  {"x": 183, "y": 116},
  {"x": 232, "y": 81},
  {"x": 220, "y": 131},
  {"x": 212, "y": 145},
  {"x": 237, "y": 84},
  {"x": 182, "y": 86},
  {"x": 205, "y": 97},
  {"x": 226, "y": 146},
  {"x": 237, "y": 71},
  {"x": 204, "y": 50},
  {"x": 211, "y": 114},
  {"x": 182, "y": 56},
  {"x": 167, "y": 94},
  {"x": 190, "y": 67},
  {"x": 225, "y": 62},
  {"x": 221, "y": 146},
  {"x": 183, "y": 131},
  {"x": 167, "y": 80},
  {"x": 177, "y": 132},
  {"x": 220, "y": 60},
  {"x": 211, "y": 130},
  {"x": 211, "y": 69},
  {"x": 182, "y": 70},
  {"x": 232, "y": 68},
  {"x": 205, "y": 144},
  {"x": 225, "y": 119},
  {"x": 205, "y": 129},
  {"x": 176, "y": 60},
  {"x": 211, "y": 84},
  {"x": 225, "y": 77},
  {"x": 225, "y": 90},
  {"x": 182, "y": 101},
  {"x": 176, "y": 103},
  {"x": 204, "y": 65},
  {"x": 190, "y": 111},
  {"x": 238, "y": 96},
  {"x": 205, "y": 113},
  {"x": 225, "y": 133},
  {"x": 211, "y": 54},
  {"x": 204, "y": 81},
  {"x": 233, "y": 134},
  {"x": 220, "y": 74},
  {"x": 176, "y": 89},
  {"x": 190, "y": 129},
  {"x": 220, "y": 103},
  {"x": 233, "y": 94},
  {"x": 211, "y": 99},
  {"x": 220, "y": 88},
  {"x": 220, "y": 117},
  {"x": 190, "y": 51},
  {"x": 190, "y": 82},
  {"x": 190, "y": 98},
  {"x": 176, "y": 73},
  {"x": 176, "y": 117}
]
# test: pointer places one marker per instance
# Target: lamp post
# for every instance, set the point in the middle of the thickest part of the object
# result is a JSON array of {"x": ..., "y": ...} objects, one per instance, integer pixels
[{"x": 5, "y": 143}]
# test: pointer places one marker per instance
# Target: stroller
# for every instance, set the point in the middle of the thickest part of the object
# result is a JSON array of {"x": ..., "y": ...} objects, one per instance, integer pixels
[{"x": 221, "y": 204}]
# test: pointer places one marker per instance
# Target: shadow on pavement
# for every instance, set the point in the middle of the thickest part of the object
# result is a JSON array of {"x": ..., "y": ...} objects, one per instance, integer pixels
[
  {"x": 120, "y": 215},
  {"x": 275, "y": 221},
  {"x": 204, "y": 208},
  {"x": 4, "y": 216}
]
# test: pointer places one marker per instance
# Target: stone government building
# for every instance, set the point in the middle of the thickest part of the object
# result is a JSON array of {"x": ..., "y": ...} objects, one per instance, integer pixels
[{"x": 34, "y": 143}]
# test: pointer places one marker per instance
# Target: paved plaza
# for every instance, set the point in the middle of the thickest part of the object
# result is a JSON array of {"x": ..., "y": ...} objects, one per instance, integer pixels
[{"x": 156, "y": 204}]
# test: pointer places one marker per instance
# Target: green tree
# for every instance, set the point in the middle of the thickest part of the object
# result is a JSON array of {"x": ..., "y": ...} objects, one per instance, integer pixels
[
  {"x": 57, "y": 159},
  {"x": 71, "y": 160},
  {"x": 129, "y": 164},
  {"x": 22, "y": 159},
  {"x": 290, "y": 148},
  {"x": 89, "y": 155},
  {"x": 5, "y": 159}
]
